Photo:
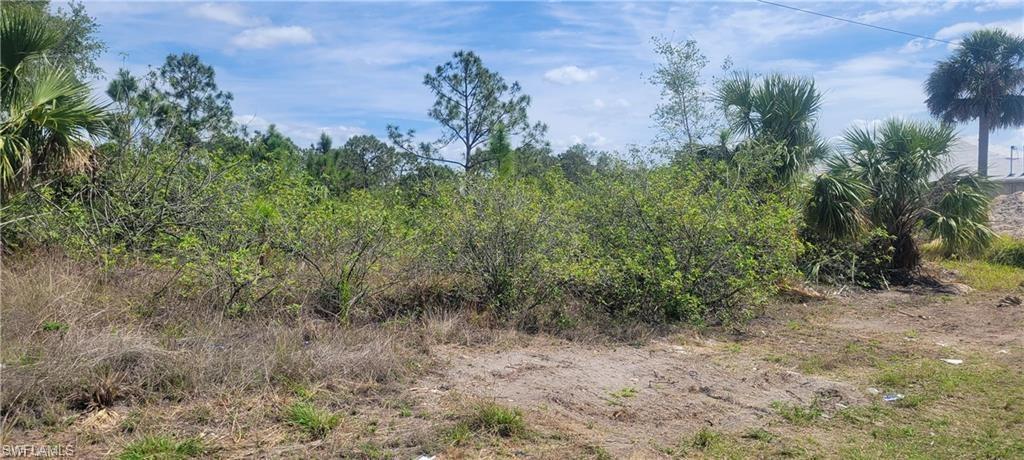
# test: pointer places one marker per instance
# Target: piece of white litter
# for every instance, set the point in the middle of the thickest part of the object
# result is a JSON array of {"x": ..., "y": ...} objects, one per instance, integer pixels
[
  {"x": 955, "y": 362},
  {"x": 426, "y": 457},
  {"x": 873, "y": 391},
  {"x": 1003, "y": 351},
  {"x": 941, "y": 344}
]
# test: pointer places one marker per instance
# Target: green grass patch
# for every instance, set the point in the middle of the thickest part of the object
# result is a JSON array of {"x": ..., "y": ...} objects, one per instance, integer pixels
[
  {"x": 162, "y": 447},
  {"x": 489, "y": 419},
  {"x": 987, "y": 276},
  {"x": 316, "y": 422},
  {"x": 796, "y": 414},
  {"x": 627, "y": 392},
  {"x": 705, "y": 439},
  {"x": 458, "y": 435},
  {"x": 54, "y": 326},
  {"x": 497, "y": 420},
  {"x": 1006, "y": 251},
  {"x": 759, "y": 434}
]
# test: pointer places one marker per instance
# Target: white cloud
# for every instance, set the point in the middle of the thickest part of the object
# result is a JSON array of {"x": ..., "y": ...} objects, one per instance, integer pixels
[
  {"x": 567, "y": 75},
  {"x": 267, "y": 37},
  {"x": 252, "y": 121},
  {"x": 911, "y": 10},
  {"x": 916, "y": 45},
  {"x": 997, "y": 5},
  {"x": 958, "y": 30},
  {"x": 225, "y": 12},
  {"x": 593, "y": 139},
  {"x": 385, "y": 53},
  {"x": 301, "y": 133},
  {"x": 599, "y": 104}
]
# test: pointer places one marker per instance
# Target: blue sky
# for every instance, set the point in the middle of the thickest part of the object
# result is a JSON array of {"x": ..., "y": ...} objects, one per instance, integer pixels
[{"x": 352, "y": 68}]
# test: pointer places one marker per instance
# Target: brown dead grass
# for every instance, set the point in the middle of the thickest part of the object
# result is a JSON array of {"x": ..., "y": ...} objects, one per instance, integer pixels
[
  {"x": 78, "y": 340},
  {"x": 101, "y": 358}
]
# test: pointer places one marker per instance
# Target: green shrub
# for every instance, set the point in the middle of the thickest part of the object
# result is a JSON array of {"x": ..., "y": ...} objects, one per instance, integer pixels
[
  {"x": 678, "y": 244},
  {"x": 355, "y": 247},
  {"x": 1007, "y": 251},
  {"x": 500, "y": 235},
  {"x": 863, "y": 261}
]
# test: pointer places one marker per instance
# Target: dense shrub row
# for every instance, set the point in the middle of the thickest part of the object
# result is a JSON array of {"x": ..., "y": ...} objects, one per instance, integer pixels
[{"x": 654, "y": 244}]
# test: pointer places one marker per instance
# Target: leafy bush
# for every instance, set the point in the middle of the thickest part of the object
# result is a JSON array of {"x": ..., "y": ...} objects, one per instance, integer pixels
[
  {"x": 863, "y": 260},
  {"x": 500, "y": 235},
  {"x": 676, "y": 244},
  {"x": 348, "y": 243},
  {"x": 690, "y": 242},
  {"x": 1007, "y": 251}
]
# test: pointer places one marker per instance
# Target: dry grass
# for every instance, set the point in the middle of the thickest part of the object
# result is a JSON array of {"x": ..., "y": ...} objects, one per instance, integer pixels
[
  {"x": 115, "y": 364},
  {"x": 125, "y": 344}
]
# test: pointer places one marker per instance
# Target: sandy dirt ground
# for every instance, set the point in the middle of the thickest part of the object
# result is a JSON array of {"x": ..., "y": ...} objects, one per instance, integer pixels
[
  {"x": 632, "y": 400},
  {"x": 1008, "y": 214},
  {"x": 598, "y": 399}
]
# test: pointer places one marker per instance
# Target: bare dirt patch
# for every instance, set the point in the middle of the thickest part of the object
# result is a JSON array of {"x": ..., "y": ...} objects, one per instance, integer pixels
[
  {"x": 629, "y": 400},
  {"x": 639, "y": 401}
]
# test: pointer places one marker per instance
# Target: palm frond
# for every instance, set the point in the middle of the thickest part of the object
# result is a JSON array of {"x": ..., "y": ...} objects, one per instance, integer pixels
[
  {"x": 835, "y": 209},
  {"x": 24, "y": 34},
  {"x": 958, "y": 212}
]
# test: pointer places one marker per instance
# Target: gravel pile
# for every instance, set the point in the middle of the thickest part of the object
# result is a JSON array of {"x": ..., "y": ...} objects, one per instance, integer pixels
[{"x": 1008, "y": 214}]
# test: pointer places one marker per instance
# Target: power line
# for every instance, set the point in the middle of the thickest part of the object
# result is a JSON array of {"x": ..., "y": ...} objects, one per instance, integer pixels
[{"x": 851, "y": 21}]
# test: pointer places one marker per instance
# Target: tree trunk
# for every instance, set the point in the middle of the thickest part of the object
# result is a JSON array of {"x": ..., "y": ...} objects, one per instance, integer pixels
[
  {"x": 906, "y": 256},
  {"x": 983, "y": 130}
]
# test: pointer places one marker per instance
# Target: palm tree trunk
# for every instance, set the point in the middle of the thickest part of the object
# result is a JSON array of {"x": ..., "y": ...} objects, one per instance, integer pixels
[
  {"x": 906, "y": 256},
  {"x": 983, "y": 130}
]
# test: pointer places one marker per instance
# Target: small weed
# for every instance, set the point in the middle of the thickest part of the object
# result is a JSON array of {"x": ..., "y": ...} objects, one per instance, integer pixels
[
  {"x": 733, "y": 348},
  {"x": 162, "y": 447},
  {"x": 598, "y": 453},
  {"x": 54, "y": 326},
  {"x": 704, "y": 439},
  {"x": 498, "y": 420},
  {"x": 316, "y": 422},
  {"x": 405, "y": 411},
  {"x": 131, "y": 422},
  {"x": 458, "y": 435},
  {"x": 777, "y": 359},
  {"x": 797, "y": 415},
  {"x": 759, "y": 434},
  {"x": 304, "y": 393},
  {"x": 815, "y": 364},
  {"x": 627, "y": 392},
  {"x": 373, "y": 451}
]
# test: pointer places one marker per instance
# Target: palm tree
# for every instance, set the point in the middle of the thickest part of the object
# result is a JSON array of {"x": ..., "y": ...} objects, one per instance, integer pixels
[
  {"x": 777, "y": 109},
  {"x": 983, "y": 80},
  {"x": 884, "y": 178},
  {"x": 46, "y": 114}
]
